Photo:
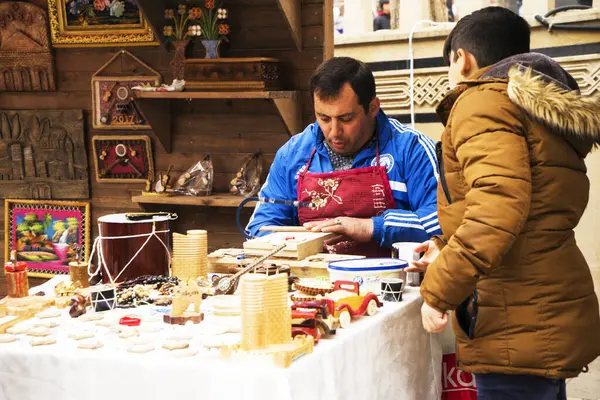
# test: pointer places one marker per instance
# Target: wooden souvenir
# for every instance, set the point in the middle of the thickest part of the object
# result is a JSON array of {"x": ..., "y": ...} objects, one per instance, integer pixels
[
  {"x": 78, "y": 269},
  {"x": 43, "y": 155},
  {"x": 228, "y": 283},
  {"x": 123, "y": 158},
  {"x": 113, "y": 102},
  {"x": 223, "y": 261},
  {"x": 232, "y": 73},
  {"x": 183, "y": 297},
  {"x": 26, "y": 59},
  {"x": 298, "y": 245}
]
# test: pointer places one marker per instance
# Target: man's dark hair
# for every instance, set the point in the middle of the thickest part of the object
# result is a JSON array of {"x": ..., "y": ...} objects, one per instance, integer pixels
[
  {"x": 331, "y": 75},
  {"x": 490, "y": 34}
]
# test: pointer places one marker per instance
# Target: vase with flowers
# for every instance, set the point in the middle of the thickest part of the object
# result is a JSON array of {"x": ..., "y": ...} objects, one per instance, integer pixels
[{"x": 189, "y": 22}]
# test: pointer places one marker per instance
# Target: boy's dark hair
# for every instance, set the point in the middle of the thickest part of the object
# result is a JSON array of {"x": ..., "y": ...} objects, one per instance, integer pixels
[
  {"x": 490, "y": 34},
  {"x": 331, "y": 75}
]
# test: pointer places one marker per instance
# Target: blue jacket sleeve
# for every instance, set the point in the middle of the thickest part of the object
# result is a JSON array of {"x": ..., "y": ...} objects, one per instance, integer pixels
[
  {"x": 276, "y": 186},
  {"x": 420, "y": 222}
]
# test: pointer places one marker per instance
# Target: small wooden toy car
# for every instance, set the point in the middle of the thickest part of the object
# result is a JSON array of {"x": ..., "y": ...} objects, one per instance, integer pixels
[{"x": 349, "y": 303}]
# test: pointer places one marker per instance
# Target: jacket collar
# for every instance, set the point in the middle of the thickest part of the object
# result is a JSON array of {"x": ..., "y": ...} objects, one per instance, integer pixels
[{"x": 384, "y": 133}]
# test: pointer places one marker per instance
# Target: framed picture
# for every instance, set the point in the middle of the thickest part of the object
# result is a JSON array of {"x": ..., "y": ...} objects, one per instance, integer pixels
[
  {"x": 123, "y": 159},
  {"x": 85, "y": 23},
  {"x": 44, "y": 234}
]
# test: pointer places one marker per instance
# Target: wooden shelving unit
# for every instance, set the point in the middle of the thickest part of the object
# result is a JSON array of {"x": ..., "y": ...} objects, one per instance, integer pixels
[
  {"x": 156, "y": 107},
  {"x": 217, "y": 200}
]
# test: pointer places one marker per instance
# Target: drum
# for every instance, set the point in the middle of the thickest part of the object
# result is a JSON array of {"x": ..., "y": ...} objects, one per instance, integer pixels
[{"x": 124, "y": 249}]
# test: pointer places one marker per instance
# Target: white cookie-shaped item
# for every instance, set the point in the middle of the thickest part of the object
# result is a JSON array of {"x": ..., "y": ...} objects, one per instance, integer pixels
[
  {"x": 7, "y": 338},
  {"x": 150, "y": 328},
  {"x": 175, "y": 345},
  {"x": 179, "y": 337},
  {"x": 49, "y": 325},
  {"x": 43, "y": 341},
  {"x": 40, "y": 331},
  {"x": 107, "y": 322},
  {"x": 91, "y": 317},
  {"x": 144, "y": 348},
  {"x": 184, "y": 353},
  {"x": 18, "y": 329},
  {"x": 90, "y": 345},
  {"x": 129, "y": 333},
  {"x": 48, "y": 313},
  {"x": 82, "y": 335}
]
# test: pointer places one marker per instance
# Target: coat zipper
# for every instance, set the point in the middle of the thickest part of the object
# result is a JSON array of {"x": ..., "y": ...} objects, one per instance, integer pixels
[{"x": 439, "y": 155}]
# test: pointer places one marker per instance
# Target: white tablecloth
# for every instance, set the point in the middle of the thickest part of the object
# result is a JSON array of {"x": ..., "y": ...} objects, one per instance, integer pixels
[{"x": 387, "y": 356}]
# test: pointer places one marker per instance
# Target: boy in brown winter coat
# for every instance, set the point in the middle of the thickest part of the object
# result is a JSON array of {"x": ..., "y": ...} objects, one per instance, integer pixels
[{"x": 512, "y": 188}]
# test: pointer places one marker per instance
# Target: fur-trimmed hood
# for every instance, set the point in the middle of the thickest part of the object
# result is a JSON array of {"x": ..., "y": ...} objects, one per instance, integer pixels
[
  {"x": 546, "y": 92},
  {"x": 549, "y": 94}
]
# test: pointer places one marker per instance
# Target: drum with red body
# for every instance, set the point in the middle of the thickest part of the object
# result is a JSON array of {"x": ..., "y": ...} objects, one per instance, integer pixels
[{"x": 121, "y": 239}]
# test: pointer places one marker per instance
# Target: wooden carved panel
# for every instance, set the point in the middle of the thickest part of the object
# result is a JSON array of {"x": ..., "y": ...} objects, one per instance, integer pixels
[
  {"x": 26, "y": 62},
  {"x": 43, "y": 155}
]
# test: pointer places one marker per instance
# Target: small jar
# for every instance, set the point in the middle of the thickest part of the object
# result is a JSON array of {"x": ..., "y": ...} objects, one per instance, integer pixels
[
  {"x": 16, "y": 279},
  {"x": 79, "y": 274}
]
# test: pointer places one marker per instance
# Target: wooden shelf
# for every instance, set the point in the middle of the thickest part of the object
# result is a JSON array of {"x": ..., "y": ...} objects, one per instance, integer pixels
[
  {"x": 156, "y": 107},
  {"x": 217, "y": 200},
  {"x": 292, "y": 95}
]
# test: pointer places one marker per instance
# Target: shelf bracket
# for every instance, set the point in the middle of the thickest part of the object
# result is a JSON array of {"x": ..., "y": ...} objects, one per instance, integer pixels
[
  {"x": 292, "y": 11},
  {"x": 158, "y": 114},
  {"x": 154, "y": 11},
  {"x": 290, "y": 111}
]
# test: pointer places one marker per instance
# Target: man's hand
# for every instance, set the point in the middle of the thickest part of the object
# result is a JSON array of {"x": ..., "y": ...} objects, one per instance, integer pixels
[
  {"x": 359, "y": 229},
  {"x": 431, "y": 253},
  {"x": 433, "y": 320}
]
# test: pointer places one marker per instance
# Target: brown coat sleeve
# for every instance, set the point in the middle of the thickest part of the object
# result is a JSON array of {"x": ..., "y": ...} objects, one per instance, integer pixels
[{"x": 487, "y": 136}]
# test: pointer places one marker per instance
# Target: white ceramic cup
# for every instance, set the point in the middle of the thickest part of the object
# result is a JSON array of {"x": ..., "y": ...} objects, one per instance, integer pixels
[{"x": 406, "y": 251}]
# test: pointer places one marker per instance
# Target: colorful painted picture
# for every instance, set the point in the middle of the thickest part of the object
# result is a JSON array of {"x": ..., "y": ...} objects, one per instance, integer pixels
[
  {"x": 90, "y": 13},
  {"x": 46, "y": 234},
  {"x": 83, "y": 23}
]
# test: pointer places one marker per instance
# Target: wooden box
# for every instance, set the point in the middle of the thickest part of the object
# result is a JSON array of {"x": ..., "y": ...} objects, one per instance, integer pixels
[{"x": 232, "y": 74}]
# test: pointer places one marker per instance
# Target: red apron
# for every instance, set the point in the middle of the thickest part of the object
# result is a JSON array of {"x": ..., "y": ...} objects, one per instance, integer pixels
[{"x": 359, "y": 193}]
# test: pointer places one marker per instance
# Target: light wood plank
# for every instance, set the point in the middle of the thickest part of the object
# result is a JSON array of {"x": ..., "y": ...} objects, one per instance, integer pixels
[{"x": 218, "y": 200}]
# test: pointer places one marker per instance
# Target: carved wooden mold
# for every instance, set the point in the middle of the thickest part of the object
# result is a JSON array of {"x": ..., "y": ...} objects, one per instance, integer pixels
[
  {"x": 43, "y": 155},
  {"x": 26, "y": 61}
]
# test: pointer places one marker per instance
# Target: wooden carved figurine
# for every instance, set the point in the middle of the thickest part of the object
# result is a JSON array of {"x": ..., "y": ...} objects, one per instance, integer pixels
[
  {"x": 78, "y": 269},
  {"x": 183, "y": 297}
]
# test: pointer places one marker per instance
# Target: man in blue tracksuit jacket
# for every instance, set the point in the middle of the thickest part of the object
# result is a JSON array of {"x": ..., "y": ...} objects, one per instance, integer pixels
[{"x": 408, "y": 156}]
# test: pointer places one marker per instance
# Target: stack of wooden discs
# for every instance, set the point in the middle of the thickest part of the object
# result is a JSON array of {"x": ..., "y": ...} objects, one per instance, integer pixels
[
  {"x": 254, "y": 326},
  {"x": 308, "y": 289},
  {"x": 190, "y": 255},
  {"x": 278, "y": 313}
]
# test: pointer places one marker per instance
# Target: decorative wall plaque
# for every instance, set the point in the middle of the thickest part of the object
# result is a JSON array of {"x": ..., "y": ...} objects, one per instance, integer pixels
[
  {"x": 114, "y": 106},
  {"x": 26, "y": 62},
  {"x": 123, "y": 158},
  {"x": 43, "y": 155}
]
